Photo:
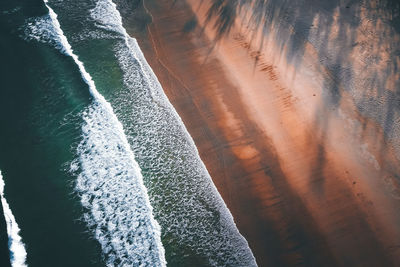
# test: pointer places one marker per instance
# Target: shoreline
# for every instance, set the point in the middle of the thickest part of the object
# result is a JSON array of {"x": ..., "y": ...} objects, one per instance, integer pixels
[{"x": 287, "y": 185}]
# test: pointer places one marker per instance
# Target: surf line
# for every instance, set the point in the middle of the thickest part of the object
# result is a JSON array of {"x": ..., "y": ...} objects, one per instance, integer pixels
[
  {"x": 15, "y": 244},
  {"x": 67, "y": 49},
  {"x": 103, "y": 16}
]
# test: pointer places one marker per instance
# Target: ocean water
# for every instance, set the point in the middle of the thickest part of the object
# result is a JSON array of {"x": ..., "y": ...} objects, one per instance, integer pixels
[{"x": 98, "y": 168}]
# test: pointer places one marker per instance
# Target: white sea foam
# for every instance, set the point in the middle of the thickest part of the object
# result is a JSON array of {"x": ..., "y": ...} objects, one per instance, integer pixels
[
  {"x": 190, "y": 208},
  {"x": 16, "y": 246},
  {"x": 42, "y": 29},
  {"x": 110, "y": 183}
]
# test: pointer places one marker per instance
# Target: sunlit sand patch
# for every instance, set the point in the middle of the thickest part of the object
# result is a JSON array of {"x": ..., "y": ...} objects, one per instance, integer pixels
[{"x": 245, "y": 151}]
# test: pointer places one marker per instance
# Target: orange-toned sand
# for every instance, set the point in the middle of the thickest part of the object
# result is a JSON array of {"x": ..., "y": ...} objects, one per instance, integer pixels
[{"x": 304, "y": 185}]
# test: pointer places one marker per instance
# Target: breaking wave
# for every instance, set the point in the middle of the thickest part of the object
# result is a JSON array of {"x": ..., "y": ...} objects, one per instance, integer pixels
[
  {"x": 109, "y": 181},
  {"x": 15, "y": 244}
]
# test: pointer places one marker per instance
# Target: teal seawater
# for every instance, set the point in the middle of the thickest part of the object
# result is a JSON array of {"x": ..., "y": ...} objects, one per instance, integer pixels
[
  {"x": 47, "y": 114},
  {"x": 41, "y": 96}
]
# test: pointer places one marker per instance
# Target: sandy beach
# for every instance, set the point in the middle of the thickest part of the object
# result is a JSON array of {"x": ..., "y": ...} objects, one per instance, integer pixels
[{"x": 308, "y": 181}]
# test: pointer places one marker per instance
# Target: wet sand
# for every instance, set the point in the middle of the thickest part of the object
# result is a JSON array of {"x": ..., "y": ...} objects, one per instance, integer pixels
[{"x": 304, "y": 187}]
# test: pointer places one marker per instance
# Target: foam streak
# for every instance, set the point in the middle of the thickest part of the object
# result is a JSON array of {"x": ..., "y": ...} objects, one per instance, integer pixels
[{"x": 16, "y": 246}]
